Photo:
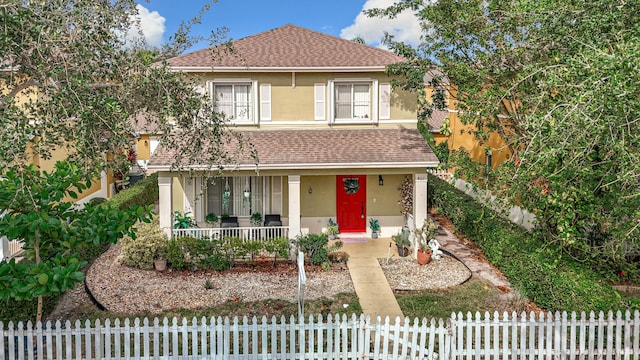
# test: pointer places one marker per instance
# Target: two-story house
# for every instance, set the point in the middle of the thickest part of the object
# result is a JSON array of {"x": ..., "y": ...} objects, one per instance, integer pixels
[{"x": 333, "y": 138}]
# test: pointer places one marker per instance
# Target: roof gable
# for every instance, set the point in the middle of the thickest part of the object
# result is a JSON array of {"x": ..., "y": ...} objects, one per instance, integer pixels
[{"x": 287, "y": 47}]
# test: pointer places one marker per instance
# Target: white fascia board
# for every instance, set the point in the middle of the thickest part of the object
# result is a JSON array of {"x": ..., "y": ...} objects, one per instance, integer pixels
[
  {"x": 311, "y": 166},
  {"x": 208, "y": 69}
]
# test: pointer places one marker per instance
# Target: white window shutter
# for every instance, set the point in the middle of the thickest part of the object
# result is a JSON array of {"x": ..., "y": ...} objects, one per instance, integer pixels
[
  {"x": 265, "y": 102},
  {"x": 320, "y": 101},
  {"x": 385, "y": 101}
]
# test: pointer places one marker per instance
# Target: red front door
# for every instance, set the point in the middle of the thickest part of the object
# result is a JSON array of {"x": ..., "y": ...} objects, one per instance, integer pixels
[{"x": 351, "y": 204}]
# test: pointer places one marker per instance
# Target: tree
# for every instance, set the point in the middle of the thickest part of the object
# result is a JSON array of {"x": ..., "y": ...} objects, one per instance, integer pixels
[
  {"x": 51, "y": 229},
  {"x": 70, "y": 80},
  {"x": 68, "y": 69},
  {"x": 558, "y": 82}
]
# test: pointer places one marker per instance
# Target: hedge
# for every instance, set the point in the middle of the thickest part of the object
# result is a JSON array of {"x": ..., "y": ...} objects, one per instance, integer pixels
[
  {"x": 539, "y": 271},
  {"x": 143, "y": 193}
]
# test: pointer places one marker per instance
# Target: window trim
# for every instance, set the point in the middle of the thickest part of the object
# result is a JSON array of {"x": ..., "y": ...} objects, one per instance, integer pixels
[
  {"x": 253, "y": 100},
  {"x": 374, "y": 101}
]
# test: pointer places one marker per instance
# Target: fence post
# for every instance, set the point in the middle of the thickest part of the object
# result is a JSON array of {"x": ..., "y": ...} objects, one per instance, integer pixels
[{"x": 4, "y": 248}]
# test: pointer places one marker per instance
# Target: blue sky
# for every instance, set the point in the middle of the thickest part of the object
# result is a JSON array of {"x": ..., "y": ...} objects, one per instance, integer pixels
[{"x": 341, "y": 18}]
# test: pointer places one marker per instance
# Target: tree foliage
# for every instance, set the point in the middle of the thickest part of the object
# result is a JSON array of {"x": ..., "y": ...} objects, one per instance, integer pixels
[
  {"x": 71, "y": 83},
  {"x": 51, "y": 229},
  {"x": 559, "y": 82}
]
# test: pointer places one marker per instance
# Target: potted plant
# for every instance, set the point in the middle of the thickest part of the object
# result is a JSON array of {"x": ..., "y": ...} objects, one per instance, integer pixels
[
  {"x": 332, "y": 229},
  {"x": 183, "y": 221},
  {"x": 256, "y": 219},
  {"x": 402, "y": 241},
  {"x": 160, "y": 258},
  {"x": 374, "y": 225},
  {"x": 211, "y": 219},
  {"x": 423, "y": 234}
]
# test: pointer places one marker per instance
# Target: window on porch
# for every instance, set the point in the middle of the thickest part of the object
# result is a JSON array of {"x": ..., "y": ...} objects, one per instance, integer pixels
[{"x": 235, "y": 196}]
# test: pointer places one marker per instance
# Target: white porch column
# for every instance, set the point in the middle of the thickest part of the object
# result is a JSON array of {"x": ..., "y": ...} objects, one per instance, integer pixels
[
  {"x": 4, "y": 248},
  {"x": 164, "y": 202},
  {"x": 419, "y": 199},
  {"x": 294, "y": 205}
]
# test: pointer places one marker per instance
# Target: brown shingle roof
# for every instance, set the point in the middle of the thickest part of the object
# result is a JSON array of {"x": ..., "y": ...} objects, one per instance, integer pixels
[
  {"x": 331, "y": 148},
  {"x": 290, "y": 46},
  {"x": 437, "y": 118}
]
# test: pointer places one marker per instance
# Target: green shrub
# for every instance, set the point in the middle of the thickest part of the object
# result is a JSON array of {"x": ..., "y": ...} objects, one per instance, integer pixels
[
  {"x": 316, "y": 247},
  {"x": 278, "y": 248},
  {"x": 191, "y": 253},
  {"x": 554, "y": 281},
  {"x": 150, "y": 244},
  {"x": 143, "y": 193}
]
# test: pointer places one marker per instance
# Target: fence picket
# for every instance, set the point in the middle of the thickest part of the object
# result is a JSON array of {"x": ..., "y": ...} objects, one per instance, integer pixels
[{"x": 474, "y": 336}]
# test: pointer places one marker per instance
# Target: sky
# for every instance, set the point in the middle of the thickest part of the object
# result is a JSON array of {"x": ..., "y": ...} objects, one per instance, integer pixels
[{"x": 341, "y": 18}]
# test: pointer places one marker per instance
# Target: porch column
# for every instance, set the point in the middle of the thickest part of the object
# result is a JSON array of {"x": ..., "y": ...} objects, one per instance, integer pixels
[
  {"x": 164, "y": 202},
  {"x": 419, "y": 198},
  {"x": 4, "y": 248},
  {"x": 294, "y": 205}
]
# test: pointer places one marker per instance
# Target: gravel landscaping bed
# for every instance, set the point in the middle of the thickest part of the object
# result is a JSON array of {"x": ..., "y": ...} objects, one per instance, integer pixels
[{"x": 121, "y": 289}]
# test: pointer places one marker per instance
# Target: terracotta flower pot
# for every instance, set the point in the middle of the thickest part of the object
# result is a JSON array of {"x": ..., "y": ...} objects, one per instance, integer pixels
[
  {"x": 160, "y": 265},
  {"x": 424, "y": 257}
]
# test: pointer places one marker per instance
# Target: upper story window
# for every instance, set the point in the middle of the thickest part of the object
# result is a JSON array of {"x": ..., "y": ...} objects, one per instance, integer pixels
[
  {"x": 352, "y": 101},
  {"x": 235, "y": 99}
]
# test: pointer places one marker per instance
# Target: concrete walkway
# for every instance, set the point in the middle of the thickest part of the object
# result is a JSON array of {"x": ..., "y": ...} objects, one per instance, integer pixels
[{"x": 374, "y": 293}]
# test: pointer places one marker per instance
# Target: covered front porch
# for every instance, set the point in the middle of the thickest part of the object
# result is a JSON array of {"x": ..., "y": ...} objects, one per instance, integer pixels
[
  {"x": 306, "y": 177},
  {"x": 288, "y": 205}
]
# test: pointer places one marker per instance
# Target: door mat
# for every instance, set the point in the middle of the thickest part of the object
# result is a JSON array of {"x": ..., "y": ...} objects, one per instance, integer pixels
[{"x": 351, "y": 240}]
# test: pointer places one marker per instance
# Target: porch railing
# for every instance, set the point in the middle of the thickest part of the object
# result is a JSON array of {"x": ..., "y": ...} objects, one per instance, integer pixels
[{"x": 245, "y": 233}]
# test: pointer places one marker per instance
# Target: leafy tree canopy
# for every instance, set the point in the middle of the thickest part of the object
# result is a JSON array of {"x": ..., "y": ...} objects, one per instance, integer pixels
[
  {"x": 70, "y": 82},
  {"x": 559, "y": 82}
]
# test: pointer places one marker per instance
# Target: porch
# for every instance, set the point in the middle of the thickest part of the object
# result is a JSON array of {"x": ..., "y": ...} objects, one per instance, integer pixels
[{"x": 303, "y": 204}]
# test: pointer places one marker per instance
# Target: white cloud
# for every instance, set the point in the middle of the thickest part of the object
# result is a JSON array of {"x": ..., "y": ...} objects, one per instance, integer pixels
[
  {"x": 151, "y": 24},
  {"x": 405, "y": 27}
]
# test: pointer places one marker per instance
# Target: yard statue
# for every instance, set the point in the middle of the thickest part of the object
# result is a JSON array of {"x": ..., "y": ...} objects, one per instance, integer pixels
[{"x": 435, "y": 248}]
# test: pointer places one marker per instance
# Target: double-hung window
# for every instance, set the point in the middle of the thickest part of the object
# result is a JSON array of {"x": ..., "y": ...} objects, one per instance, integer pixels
[
  {"x": 233, "y": 101},
  {"x": 352, "y": 101}
]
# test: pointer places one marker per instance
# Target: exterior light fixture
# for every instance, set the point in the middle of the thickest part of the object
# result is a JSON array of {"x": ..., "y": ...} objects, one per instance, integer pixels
[
  {"x": 310, "y": 190},
  {"x": 380, "y": 180}
]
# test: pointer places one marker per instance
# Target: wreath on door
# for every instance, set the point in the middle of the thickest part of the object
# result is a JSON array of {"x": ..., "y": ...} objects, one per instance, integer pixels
[{"x": 351, "y": 185}]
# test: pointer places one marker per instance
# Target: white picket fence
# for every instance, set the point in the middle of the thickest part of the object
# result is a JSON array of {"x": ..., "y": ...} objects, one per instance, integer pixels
[
  {"x": 9, "y": 248},
  {"x": 547, "y": 336}
]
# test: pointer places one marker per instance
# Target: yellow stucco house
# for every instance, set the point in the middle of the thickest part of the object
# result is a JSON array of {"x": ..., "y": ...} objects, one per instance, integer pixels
[
  {"x": 100, "y": 187},
  {"x": 447, "y": 126},
  {"x": 333, "y": 139}
]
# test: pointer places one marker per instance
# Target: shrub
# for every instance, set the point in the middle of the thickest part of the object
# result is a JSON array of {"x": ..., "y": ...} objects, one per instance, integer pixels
[
  {"x": 539, "y": 271},
  {"x": 150, "y": 244},
  {"x": 278, "y": 248},
  {"x": 316, "y": 247},
  {"x": 189, "y": 252},
  {"x": 143, "y": 193}
]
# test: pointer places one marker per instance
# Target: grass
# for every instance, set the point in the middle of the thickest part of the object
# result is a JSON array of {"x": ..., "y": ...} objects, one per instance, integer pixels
[
  {"x": 471, "y": 296},
  {"x": 268, "y": 308}
]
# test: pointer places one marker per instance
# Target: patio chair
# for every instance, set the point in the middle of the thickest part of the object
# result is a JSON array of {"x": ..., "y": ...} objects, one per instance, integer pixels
[
  {"x": 273, "y": 220},
  {"x": 230, "y": 226}
]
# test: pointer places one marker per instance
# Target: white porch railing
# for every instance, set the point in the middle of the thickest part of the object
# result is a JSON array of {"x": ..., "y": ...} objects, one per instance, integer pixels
[
  {"x": 9, "y": 248},
  {"x": 244, "y": 233}
]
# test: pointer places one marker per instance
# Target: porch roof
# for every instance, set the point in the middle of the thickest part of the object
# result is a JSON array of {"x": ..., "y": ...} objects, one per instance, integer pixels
[{"x": 326, "y": 148}]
